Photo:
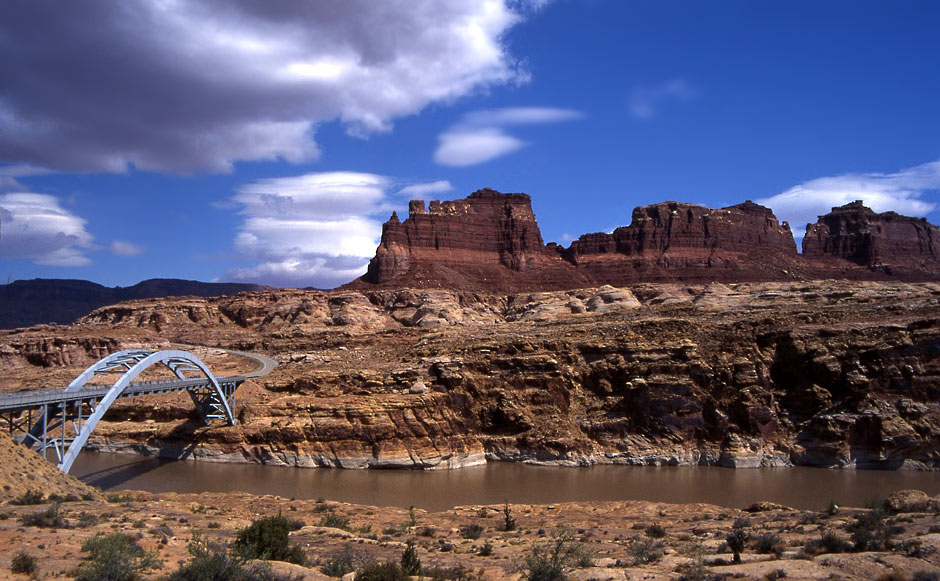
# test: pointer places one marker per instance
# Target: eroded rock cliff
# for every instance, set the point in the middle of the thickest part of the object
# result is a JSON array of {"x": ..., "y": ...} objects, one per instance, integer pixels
[
  {"x": 491, "y": 242},
  {"x": 827, "y": 373},
  {"x": 886, "y": 242}
]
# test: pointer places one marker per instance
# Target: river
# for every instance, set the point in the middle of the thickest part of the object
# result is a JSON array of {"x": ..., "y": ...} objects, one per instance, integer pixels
[{"x": 804, "y": 488}]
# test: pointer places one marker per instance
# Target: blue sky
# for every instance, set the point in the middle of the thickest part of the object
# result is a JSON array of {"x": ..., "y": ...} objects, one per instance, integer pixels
[{"x": 267, "y": 141}]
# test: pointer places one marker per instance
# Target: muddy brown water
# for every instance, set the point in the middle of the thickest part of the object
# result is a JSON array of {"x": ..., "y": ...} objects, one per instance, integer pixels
[{"x": 804, "y": 488}]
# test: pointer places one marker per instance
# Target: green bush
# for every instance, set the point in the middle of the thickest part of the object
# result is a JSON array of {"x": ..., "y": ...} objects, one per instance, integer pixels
[
  {"x": 645, "y": 551},
  {"x": 49, "y": 518},
  {"x": 23, "y": 562},
  {"x": 387, "y": 571},
  {"x": 410, "y": 563},
  {"x": 509, "y": 523},
  {"x": 28, "y": 497},
  {"x": 339, "y": 565},
  {"x": 212, "y": 561},
  {"x": 551, "y": 563},
  {"x": 769, "y": 543},
  {"x": 267, "y": 539},
  {"x": 114, "y": 557},
  {"x": 471, "y": 531},
  {"x": 334, "y": 521},
  {"x": 737, "y": 541}
]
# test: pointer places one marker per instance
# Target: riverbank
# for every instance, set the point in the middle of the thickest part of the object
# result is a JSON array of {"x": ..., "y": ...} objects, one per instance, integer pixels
[{"x": 613, "y": 540}]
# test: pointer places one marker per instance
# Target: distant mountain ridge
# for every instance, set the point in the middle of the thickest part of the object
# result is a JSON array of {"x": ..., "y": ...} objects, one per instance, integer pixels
[{"x": 48, "y": 300}]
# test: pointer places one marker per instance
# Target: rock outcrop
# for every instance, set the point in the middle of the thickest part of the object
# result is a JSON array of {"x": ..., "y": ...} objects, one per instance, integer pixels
[
  {"x": 491, "y": 242},
  {"x": 677, "y": 241},
  {"x": 886, "y": 242},
  {"x": 487, "y": 241}
]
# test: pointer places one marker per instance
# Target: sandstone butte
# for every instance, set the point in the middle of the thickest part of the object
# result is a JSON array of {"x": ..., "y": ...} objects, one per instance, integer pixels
[{"x": 491, "y": 242}]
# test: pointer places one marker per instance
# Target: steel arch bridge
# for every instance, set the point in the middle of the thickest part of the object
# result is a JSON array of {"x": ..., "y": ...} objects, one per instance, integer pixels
[{"x": 62, "y": 420}]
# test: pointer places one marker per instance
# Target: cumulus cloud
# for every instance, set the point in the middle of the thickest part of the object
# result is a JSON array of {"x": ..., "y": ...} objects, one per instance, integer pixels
[
  {"x": 196, "y": 86},
  {"x": 480, "y": 136},
  {"x": 37, "y": 228},
  {"x": 122, "y": 248},
  {"x": 903, "y": 192},
  {"x": 646, "y": 102},
  {"x": 440, "y": 186},
  {"x": 317, "y": 229}
]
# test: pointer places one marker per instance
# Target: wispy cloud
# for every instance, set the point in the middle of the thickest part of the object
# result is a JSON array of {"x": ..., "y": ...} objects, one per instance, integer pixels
[
  {"x": 646, "y": 102},
  {"x": 122, "y": 248},
  {"x": 10, "y": 172},
  {"x": 139, "y": 95},
  {"x": 37, "y": 228},
  {"x": 438, "y": 187},
  {"x": 903, "y": 192},
  {"x": 480, "y": 136}
]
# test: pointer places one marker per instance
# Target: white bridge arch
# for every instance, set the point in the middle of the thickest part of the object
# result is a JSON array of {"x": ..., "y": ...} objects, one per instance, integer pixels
[{"x": 214, "y": 398}]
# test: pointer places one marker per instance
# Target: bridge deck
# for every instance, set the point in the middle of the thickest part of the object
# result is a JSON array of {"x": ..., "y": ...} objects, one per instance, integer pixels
[{"x": 22, "y": 400}]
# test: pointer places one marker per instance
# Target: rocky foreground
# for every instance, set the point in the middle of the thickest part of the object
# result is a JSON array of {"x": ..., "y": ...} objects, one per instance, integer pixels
[{"x": 826, "y": 373}]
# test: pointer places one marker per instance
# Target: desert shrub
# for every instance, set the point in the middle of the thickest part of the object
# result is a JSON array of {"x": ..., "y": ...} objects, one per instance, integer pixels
[
  {"x": 829, "y": 542},
  {"x": 334, "y": 521},
  {"x": 340, "y": 564},
  {"x": 457, "y": 573},
  {"x": 487, "y": 549},
  {"x": 646, "y": 550},
  {"x": 509, "y": 522},
  {"x": 869, "y": 531},
  {"x": 86, "y": 519},
  {"x": 410, "y": 563},
  {"x": 118, "y": 498},
  {"x": 471, "y": 531},
  {"x": 49, "y": 518},
  {"x": 29, "y": 497},
  {"x": 926, "y": 576},
  {"x": 212, "y": 561},
  {"x": 655, "y": 531},
  {"x": 769, "y": 543},
  {"x": 412, "y": 517},
  {"x": 23, "y": 562},
  {"x": 385, "y": 571},
  {"x": 737, "y": 542},
  {"x": 267, "y": 539},
  {"x": 427, "y": 532},
  {"x": 551, "y": 562},
  {"x": 114, "y": 557}
]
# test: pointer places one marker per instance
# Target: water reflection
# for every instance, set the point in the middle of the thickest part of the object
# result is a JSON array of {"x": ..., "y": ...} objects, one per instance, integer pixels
[{"x": 807, "y": 488}]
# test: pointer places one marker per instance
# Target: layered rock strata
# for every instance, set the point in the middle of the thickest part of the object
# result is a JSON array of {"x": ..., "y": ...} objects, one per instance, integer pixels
[
  {"x": 825, "y": 373},
  {"x": 885, "y": 242},
  {"x": 491, "y": 242}
]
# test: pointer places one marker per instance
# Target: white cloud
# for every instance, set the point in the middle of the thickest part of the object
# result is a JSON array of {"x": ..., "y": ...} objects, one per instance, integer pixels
[
  {"x": 479, "y": 136},
  {"x": 37, "y": 228},
  {"x": 122, "y": 248},
  {"x": 317, "y": 229},
  {"x": 193, "y": 86},
  {"x": 440, "y": 186},
  {"x": 470, "y": 147},
  {"x": 645, "y": 102},
  {"x": 901, "y": 192}
]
